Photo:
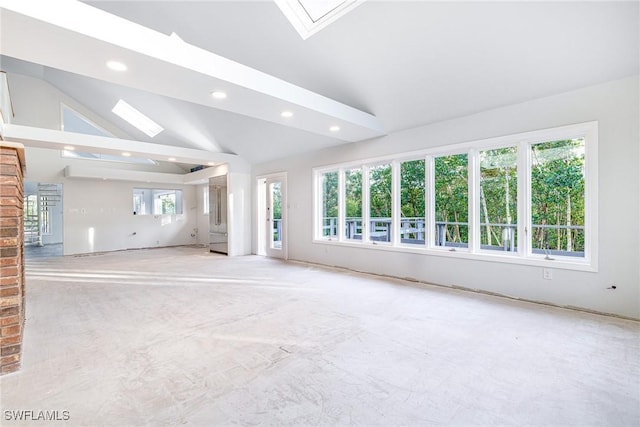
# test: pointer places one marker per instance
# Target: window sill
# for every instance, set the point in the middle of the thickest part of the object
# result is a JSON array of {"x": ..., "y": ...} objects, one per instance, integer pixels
[{"x": 564, "y": 263}]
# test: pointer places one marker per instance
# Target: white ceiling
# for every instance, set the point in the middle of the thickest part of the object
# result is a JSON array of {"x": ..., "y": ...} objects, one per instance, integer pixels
[{"x": 406, "y": 63}]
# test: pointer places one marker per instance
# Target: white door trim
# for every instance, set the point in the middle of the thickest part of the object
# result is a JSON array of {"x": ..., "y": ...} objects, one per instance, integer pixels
[{"x": 264, "y": 222}]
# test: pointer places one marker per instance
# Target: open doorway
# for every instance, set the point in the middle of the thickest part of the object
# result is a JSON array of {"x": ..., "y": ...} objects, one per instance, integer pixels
[
  {"x": 272, "y": 216},
  {"x": 43, "y": 235}
]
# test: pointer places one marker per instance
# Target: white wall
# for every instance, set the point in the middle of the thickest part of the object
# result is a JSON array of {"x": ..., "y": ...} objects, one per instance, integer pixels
[
  {"x": 239, "y": 214},
  {"x": 99, "y": 217},
  {"x": 615, "y": 105},
  {"x": 106, "y": 206},
  {"x": 202, "y": 218}
]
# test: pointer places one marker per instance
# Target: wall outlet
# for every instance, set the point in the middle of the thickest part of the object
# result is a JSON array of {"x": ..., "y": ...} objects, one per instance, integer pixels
[{"x": 547, "y": 274}]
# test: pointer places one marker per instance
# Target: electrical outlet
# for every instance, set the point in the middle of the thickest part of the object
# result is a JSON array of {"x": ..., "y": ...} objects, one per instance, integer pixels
[{"x": 547, "y": 274}]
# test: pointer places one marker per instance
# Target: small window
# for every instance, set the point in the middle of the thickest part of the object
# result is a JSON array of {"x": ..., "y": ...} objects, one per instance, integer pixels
[
  {"x": 148, "y": 201},
  {"x": 164, "y": 202}
]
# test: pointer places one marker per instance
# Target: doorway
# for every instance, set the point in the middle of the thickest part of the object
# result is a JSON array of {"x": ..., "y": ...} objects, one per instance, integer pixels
[
  {"x": 272, "y": 216},
  {"x": 43, "y": 235}
]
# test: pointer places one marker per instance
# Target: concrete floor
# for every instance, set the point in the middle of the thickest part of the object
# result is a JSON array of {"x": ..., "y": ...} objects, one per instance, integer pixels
[
  {"x": 46, "y": 251},
  {"x": 180, "y": 336}
]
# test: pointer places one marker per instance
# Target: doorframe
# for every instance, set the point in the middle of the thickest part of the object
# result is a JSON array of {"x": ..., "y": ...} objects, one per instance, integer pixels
[{"x": 261, "y": 213}]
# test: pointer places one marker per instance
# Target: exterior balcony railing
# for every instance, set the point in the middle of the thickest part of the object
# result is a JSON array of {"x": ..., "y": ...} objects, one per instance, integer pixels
[{"x": 412, "y": 232}]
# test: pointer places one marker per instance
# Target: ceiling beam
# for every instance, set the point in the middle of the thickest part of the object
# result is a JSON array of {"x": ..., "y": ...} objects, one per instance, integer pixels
[{"x": 58, "y": 140}]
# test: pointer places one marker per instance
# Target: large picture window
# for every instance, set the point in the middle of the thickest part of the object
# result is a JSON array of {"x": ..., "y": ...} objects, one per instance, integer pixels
[
  {"x": 526, "y": 198},
  {"x": 329, "y": 194},
  {"x": 353, "y": 204},
  {"x": 412, "y": 202},
  {"x": 451, "y": 190},
  {"x": 499, "y": 199},
  {"x": 380, "y": 199},
  {"x": 557, "y": 197}
]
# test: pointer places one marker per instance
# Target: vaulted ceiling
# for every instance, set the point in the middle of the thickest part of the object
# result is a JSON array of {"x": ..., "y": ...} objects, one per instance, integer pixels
[{"x": 383, "y": 67}]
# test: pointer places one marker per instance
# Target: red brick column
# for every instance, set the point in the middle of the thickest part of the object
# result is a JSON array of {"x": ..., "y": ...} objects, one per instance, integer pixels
[{"x": 11, "y": 257}]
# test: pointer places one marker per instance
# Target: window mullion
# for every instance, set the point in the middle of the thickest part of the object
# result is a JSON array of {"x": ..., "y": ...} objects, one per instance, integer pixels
[
  {"x": 319, "y": 205},
  {"x": 473, "y": 170},
  {"x": 524, "y": 202},
  {"x": 341, "y": 204},
  {"x": 366, "y": 204},
  {"x": 395, "y": 203},
  {"x": 430, "y": 202},
  {"x": 591, "y": 197}
]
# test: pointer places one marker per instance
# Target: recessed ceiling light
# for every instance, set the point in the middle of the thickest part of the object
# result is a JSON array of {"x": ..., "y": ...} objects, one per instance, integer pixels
[
  {"x": 211, "y": 163},
  {"x": 116, "y": 66},
  {"x": 126, "y": 154},
  {"x": 69, "y": 148},
  {"x": 137, "y": 119},
  {"x": 172, "y": 159},
  {"x": 286, "y": 114},
  {"x": 219, "y": 94},
  {"x": 334, "y": 128}
]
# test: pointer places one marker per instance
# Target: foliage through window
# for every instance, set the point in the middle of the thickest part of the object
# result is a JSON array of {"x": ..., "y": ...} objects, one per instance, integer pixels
[
  {"x": 329, "y": 191},
  {"x": 451, "y": 201},
  {"x": 557, "y": 197},
  {"x": 412, "y": 202},
  {"x": 353, "y": 204},
  {"x": 525, "y": 196},
  {"x": 499, "y": 199},
  {"x": 380, "y": 199},
  {"x": 148, "y": 201}
]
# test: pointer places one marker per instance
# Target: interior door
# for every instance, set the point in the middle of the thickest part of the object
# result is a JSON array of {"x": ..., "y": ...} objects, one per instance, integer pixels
[{"x": 276, "y": 215}]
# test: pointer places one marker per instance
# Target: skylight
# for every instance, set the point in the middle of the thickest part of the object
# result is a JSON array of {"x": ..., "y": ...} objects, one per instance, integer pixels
[
  {"x": 316, "y": 9},
  {"x": 72, "y": 121},
  {"x": 310, "y": 16},
  {"x": 136, "y": 119}
]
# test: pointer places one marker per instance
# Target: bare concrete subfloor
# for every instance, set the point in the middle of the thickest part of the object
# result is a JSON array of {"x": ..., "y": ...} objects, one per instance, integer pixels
[{"x": 180, "y": 336}]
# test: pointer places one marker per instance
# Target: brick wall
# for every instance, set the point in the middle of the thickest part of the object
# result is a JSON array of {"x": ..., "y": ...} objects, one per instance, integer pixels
[{"x": 11, "y": 258}]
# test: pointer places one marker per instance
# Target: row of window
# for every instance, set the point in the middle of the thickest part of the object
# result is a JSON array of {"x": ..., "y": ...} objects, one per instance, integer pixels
[{"x": 525, "y": 196}]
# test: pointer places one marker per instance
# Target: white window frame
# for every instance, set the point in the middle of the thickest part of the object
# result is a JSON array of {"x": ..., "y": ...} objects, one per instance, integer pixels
[
  {"x": 150, "y": 197},
  {"x": 524, "y": 254},
  {"x": 318, "y": 212},
  {"x": 366, "y": 188}
]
